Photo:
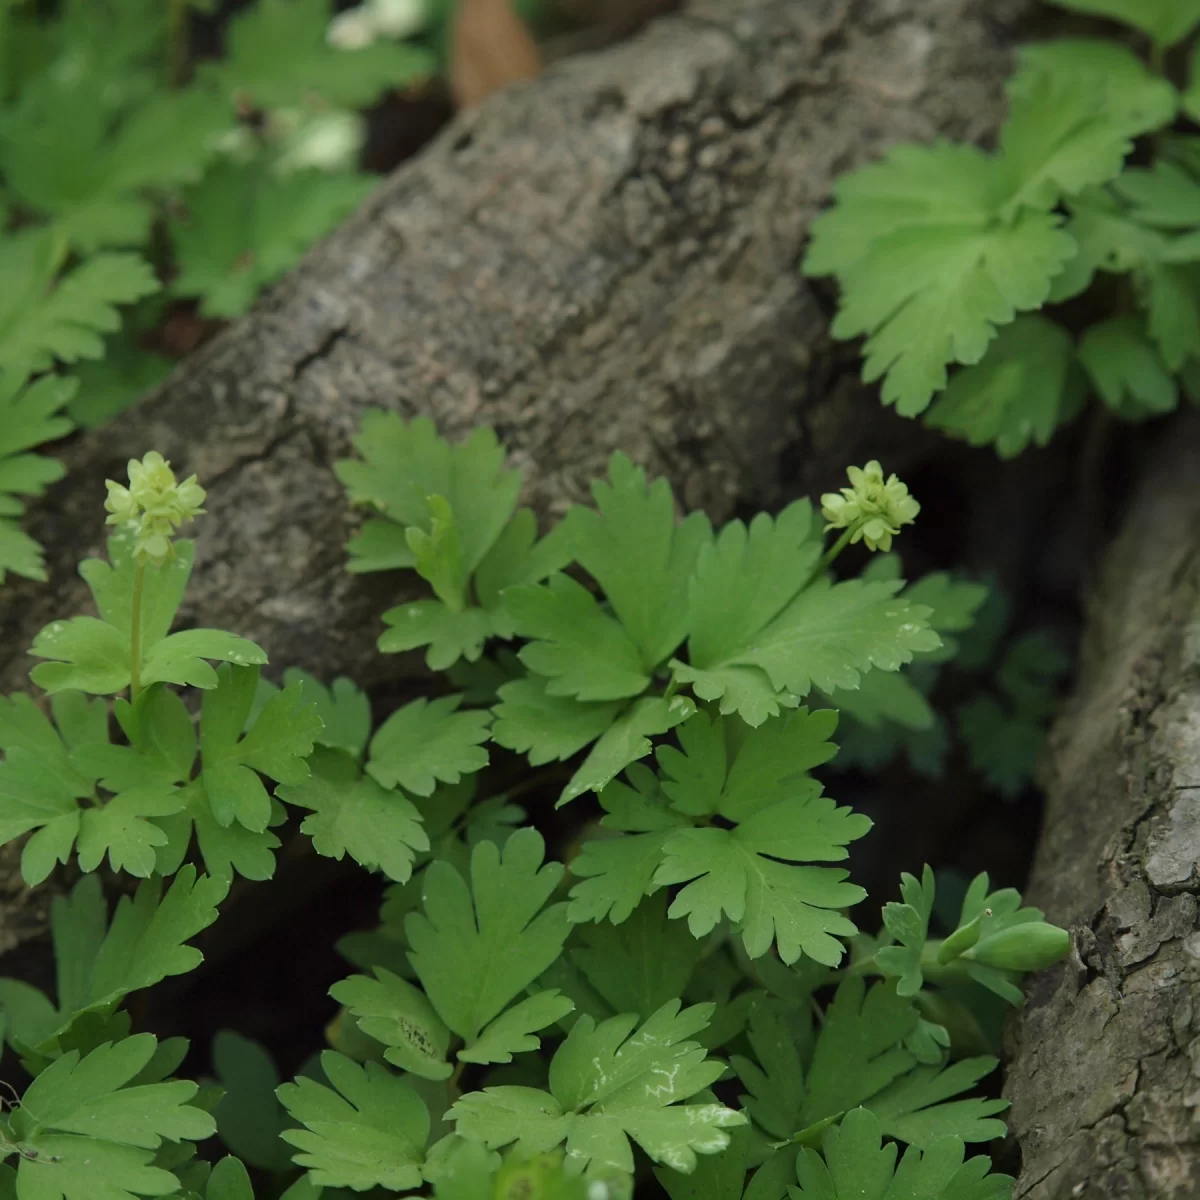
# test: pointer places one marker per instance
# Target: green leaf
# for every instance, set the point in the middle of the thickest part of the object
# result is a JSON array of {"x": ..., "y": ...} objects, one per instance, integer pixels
[
  {"x": 89, "y": 168},
  {"x": 607, "y": 1087},
  {"x": 124, "y": 830},
  {"x": 824, "y": 637},
  {"x": 1109, "y": 239},
  {"x": 633, "y": 547},
  {"x": 885, "y": 699},
  {"x": 642, "y": 965},
  {"x": 45, "y": 316},
  {"x": 476, "y": 948},
  {"x": 277, "y": 56},
  {"x": 855, "y": 1165},
  {"x": 370, "y": 1132},
  {"x": 717, "y": 1176},
  {"x": 145, "y": 943},
  {"x": 914, "y": 187},
  {"x": 392, "y": 1011},
  {"x": 747, "y": 577},
  {"x": 1018, "y": 395},
  {"x": 229, "y": 1181},
  {"x": 30, "y": 414},
  {"x": 749, "y": 875},
  {"x": 93, "y": 655},
  {"x": 99, "y": 1128},
  {"x": 427, "y": 742},
  {"x": 775, "y": 1076},
  {"x": 917, "y": 1108},
  {"x": 580, "y": 650},
  {"x": 1165, "y": 22},
  {"x": 616, "y": 872},
  {"x": 860, "y": 1059},
  {"x": 275, "y": 745},
  {"x": 226, "y": 849},
  {"x": 1126, "y": 370},
  {"x": 1173, "y": 313},
  {"x": 249, "y": 1116},
  {"x": 450, "y": 635},
  {"x": 1162, "y": 197},
  {"x": 859, "y": 1050},
  {"x": 547, "y": 728},
  {"x": 352, "y": 814},
  {"x": 41, "y": 785},
  {"x": 110, "y": 385},
  {"x": 1059, "y": 140},
  {"x": 343, "y": 708},
  {"x": 908, "y": 923},
  {"x": 513, "y": 1030},
  {"x": 403, "y": 463},
  {"x": 243, "y": 226},
  {"x": 625, "y": 741},
  {"x": 1133, "y": 94},
  {"x": 723, "y": 769},
  {"x": 756, "y": 779}
]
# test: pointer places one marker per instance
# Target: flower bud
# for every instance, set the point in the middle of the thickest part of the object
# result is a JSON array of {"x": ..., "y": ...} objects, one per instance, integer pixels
[
  {"x": 872, "y": 508},
  {"x": 154, "y": 505},
  {"x": 1026, "y": 947}
]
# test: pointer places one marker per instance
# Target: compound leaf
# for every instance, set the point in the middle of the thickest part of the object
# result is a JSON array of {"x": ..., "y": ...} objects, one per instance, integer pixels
[
  {"x": 427, "y": 742},
  {"x": 854, "y": 1164},
  {"x": 378, "y": 827},
  {"x": 1164, "y": 21},
  {"x": 607, "y": 1087},
  {"x": 369, "y": 1132},
  {"x": 476, "y": 948},
  {"x": 633, "y": 547},
  {"x": 1023, "y": 389},
  {"x": 824, "y": 637}
]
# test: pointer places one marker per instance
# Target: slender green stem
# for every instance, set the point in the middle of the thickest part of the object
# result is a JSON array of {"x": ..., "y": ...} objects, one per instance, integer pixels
[
  {"x": 828, "y": 557},
  {"x": 135, "y": 634}
]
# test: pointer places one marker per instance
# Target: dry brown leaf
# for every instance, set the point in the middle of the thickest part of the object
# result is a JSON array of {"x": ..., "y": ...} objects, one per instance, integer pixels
[{"x": 490, "y": 47}]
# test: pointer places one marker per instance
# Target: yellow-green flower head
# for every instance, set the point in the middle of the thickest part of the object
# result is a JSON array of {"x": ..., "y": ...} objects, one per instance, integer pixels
[
  {"x": 154, "y": 504},
  {"x": 874, "y": 509}
]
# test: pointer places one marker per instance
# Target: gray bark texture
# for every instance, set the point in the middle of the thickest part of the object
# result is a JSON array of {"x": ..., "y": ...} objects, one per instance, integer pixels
[
  {"x": 605, "y": 258},
  {"x": 1105, "y": 1078}
]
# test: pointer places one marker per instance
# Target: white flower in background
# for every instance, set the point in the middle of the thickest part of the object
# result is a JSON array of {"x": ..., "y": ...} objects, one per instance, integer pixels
[
  {"x": 328, "y": 142},
  {"x": 237, "y": 143},
  {"x": 352, "y": 29},
  {"x": 359, "y": 27},
  {"x": 398, "y": 18}
]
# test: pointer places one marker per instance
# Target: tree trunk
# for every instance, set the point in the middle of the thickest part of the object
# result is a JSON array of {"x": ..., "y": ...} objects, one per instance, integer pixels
[
  {"x": 605, "y": 258},
  {"x": 1105, "y": 1082}
]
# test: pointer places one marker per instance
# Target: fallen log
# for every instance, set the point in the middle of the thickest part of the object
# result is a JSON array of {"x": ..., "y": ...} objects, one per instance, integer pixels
[{"x": 1104, "y": 1075}]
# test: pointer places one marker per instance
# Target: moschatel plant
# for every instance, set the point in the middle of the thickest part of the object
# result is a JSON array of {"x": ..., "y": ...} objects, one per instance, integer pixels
[
  {"x": 676, "y": 996},
  {"x": 950, "y": 256}
]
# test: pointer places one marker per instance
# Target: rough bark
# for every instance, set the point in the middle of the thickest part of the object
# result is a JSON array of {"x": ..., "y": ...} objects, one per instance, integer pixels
[
  {"x": 1106, "y": 1080},
  {"x": 604, "y": 258}
]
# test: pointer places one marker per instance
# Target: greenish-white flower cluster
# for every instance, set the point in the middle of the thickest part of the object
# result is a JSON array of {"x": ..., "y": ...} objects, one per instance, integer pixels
[
  {"x": 872, "y": 508},
  {"x": 154, "y": 504}
]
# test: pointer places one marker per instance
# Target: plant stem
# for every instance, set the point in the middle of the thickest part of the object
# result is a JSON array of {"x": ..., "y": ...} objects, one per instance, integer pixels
[
  {"x": 828, "y": 557},
  {"x": 135, "y": 634}
]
